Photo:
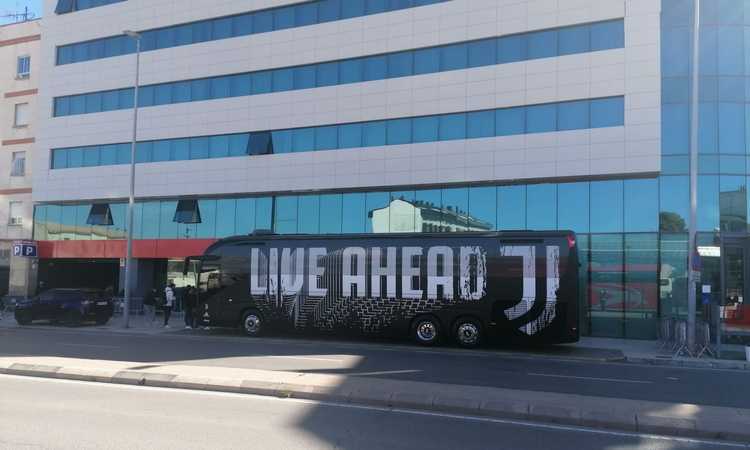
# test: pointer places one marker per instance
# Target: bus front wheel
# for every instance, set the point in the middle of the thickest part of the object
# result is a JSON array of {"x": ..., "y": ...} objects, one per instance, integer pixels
[
  {"x": 426, "y": 330},
  {"x": 252, "y": 323},
  {"x": 468, "y": 332}
]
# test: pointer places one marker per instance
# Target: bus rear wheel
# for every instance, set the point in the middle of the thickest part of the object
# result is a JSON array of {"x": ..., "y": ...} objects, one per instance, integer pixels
[
  {"x": 252, "y": 323},
  {"x": 468, "y": 332},
  {"x": 426, "y": 330}
]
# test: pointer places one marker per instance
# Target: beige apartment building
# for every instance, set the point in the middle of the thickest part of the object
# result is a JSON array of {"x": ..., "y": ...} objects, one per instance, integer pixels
[{"x": 19, "y": 78}]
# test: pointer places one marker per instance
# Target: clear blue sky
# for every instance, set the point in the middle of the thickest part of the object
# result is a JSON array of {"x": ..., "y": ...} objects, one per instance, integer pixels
[{"x": 13, "y": 6}]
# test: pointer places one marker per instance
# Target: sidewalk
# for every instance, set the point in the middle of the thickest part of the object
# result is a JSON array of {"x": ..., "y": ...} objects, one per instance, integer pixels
[{"x": 570, "y": 409}]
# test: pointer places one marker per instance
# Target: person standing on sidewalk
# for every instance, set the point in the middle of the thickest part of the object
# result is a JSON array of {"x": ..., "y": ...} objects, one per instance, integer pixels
[
  {"x": 188, "y": 305},
  {"x": 168, "y": 303},
  {"x": 149, "y": 305}
]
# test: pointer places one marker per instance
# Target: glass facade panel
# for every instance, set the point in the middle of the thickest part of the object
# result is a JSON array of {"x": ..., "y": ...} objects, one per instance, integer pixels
[
  {"x": 606, "y": 206},
  {"x": 331, "y": 219},
  {"x": 455, "y": 210},
  {"x": 641, "y": 205},
  {"x": 511, "y": 208},
  {"x": 541, "y": 207},
  {"x": 607, "y": 294},
  {"x": 733, "y": 203},
  {"x": 573, "y": 207},
  {"x": 355, "y": 216},
  {"x": 641, "y": 295},
  {"x": 482, "y": 208}
]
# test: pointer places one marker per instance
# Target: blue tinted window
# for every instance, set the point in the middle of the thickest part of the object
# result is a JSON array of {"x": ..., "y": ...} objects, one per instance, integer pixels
[
  {"x": 510, "y": 121},
  {"x": 574, "y": 40},
  {"x": 350, "y": 136},
  {"x": 326, "y": 138},
  {"x": 606, "y": 206},
  {"x": 123, "y": 153},
  {"x": 573, "y": 207},
  {"x": 376, "y": 6},
  {"x": 399, "y": 131},
  {"x": 708, "y": 199},
  {"x": 77, "y": 104},
  {"x": 181, "y": 92},
  {"x": 674, "y": 201},
  {"x": 373, "y": 134},
  {"x": 238, "y": 144},
  {"x": 641, "y": 205},
  {"x": 146, "y": 96},
  {"x": 426, "y": 61},
  {"x": 75, "y": 157},
  {"x": 573, "y": 115},
  {"x": 218, "y": 146},
  {"x": 162, "y": 94},
  {"x": 330, "y": 219},
  {"x": 220, "y": 87},
  {"x": 198, "y": 148},
  {"x": 352, "y": 8},
  {"x": 454, "y": 57},
  {"x": 350, "y": 71},
  {"x": 168, "y": 229},
  {"x": 542, "y": 44},
  {"x": 126, "y": 97},
  {"x": 225, "y": 217},
  {"x": 165, "y": 38},
  {"x": 354, "y": 213},
  {"x": 671, "y": 165},
  {"x": 306, "y": 14},
  {"x": 283, "y": 80},
  {"x": 541, "y": 118},
  {"x": 161, "y": 151},
  {"x": 242, "y": 25},
  {"x": 482, "y": 208},
  {"x": 376, "y": 68},
  {"x": 303, "y": 139},
  {"x": 731, "y": 89},
  {"x": 607, "y": 35},
  {"x": 511, "y": 49},
  {"x": 110, "y": 100},
  {"x": 143, "y": 152},
  {"x": 262, "y": 82},
  {"x": 244, "y": 219},
  {"x": 183, "y": 35},
  {"x": 731, "y": 128},
  {"x": 263, "y": 22},
  {"x": 201, "y": 31},
  {"x": 453, "y": 126},
  {"x": 327, "y": 74},
  {"x": 730, "y": 51},
  {"x": 59, "y": 159},
  {"x": 62, "y": 106},
  {"x": 675, "y": 128},
  {"x": 108, "y": 155},
  {"x": 541, "y": 201},
  {"x": 425, "y": 129},
  {"x": 400, "y": 64},
  {"x": 708, "y": 129},
  {"x": 200, "y": 90},
  {"x": 304, "y": 77},
  {"x": 150, "y": 220},
  {"x": 263, "y": 207},
  {"x": 483, "y": 53},
  {"x": 511, "y": 208},
  {"x": 180, "y": 149},
  {"x": 308, "y": 214},
  {"x": 282, "y": 141},
  {"x": 240, "y": 85},
  {"x": 207, "y": 227},
  {"x": 329, "y": 10},
  {"x": 480, "y": 124},
  {"x": 283, "y": 18},
  {"x": 675, "y": 51},
  {"x": 93, "y": 103},
  {"x": 607, "y": 112},
  {"x": 285, "y": 220}
]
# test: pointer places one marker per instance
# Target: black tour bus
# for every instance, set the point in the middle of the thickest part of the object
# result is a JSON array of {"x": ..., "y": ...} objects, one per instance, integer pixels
[{"x": 468, "y": 287}]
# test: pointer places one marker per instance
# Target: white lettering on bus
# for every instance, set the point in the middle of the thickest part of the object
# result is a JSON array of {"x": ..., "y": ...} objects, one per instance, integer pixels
[
  {"x": 348, "y": 277},
  {"x": 409, "y": 271},
  {"x": 315, "y": 272},
  {"x": 378, "y": 271},
  {"x": 446, "y": 278}
]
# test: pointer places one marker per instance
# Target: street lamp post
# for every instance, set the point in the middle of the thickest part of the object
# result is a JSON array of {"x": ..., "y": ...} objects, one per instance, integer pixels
[{"x": 131, "y": 197}]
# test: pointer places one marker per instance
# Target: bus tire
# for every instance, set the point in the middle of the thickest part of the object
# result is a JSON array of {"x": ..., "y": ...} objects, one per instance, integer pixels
[
  {"x": 252, "y": 322},
  {"x": 468, "y": 332},
  {"x": 426, "y": 330}
]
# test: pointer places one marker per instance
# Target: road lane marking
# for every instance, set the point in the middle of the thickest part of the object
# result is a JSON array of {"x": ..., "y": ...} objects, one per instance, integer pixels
[
  {"x": 616, "y": 380},
  {"x": 70, "y": 344},
  {"x": 307, "y": 358},
  {"x": 384, "y": 372},
  {"x": 543, "y": 426}
]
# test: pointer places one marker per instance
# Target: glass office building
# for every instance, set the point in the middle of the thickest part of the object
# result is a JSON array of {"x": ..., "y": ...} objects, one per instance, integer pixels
[{"x": 440, "y": 116}]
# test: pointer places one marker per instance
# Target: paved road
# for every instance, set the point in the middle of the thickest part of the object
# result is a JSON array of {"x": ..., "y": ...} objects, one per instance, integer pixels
[
  {"x": 405, "y": 362},
  {"x": 57, "y": 414}
]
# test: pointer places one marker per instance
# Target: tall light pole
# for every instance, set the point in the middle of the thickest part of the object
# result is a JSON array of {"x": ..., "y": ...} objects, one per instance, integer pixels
[
  {"x": 131, "y": 197},
  {"x": 694, "y": 121}
]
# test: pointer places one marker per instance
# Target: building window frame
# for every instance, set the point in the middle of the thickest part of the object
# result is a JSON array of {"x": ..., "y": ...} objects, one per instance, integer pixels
[
  {"x": 18, "y": 164},
  {"x": 23, "y": 67},
  {"x": 15, "y": 215},
  {"x": 21, "y": 116}
]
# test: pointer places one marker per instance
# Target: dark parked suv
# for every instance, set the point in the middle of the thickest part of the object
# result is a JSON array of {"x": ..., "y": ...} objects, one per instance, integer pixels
[{"x": 69, "y": 306}]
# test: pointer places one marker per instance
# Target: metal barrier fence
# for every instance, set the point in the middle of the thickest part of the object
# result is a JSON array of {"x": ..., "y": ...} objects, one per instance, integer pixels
[
  {"x": 673, "y": 338},
  {"x": 136, "y": 305}
]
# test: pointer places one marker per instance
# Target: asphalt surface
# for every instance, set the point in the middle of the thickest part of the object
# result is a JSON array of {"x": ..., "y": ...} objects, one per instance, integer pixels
[
  {"x": 56, "y": 414},
  {"x": 404, "y": 362}
]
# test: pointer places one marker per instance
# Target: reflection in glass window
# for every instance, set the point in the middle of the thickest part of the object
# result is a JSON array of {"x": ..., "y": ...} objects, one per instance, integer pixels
[
  {"x": 607, "y": 298},
  {"x": 641, "y": 205},
  {"x": 285, "y": 220},
  {"x": 511, "y": 207},
  {"x": 244, "y": 218},
  {"x": 378, "y": 212},
  {"x": 401, "y": 212},
  {"x": 331, "y": 217},
  {"x": 207, "y": 227},
  {"x": 483, "y": 208},
  {"x": 354, "y": 213},
  {"x": 308, "y": 214},
  {"x": 168, "y": 228},
  {"x": 429, "y": 210},
  {"x": 541, "y": 204},
  {"x": 606, "y": 206},
  {"x": 708, "y": 199},
  {"x": 225, "y": 217},
  {"x": 542, "y": 44},
  {"x": 573, "y": 207},
  {"x": 455, "y": 210},
  {"x": 733, "y": 203}
]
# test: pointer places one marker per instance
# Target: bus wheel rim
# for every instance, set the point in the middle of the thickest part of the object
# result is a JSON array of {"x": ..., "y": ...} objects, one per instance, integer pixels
[
  {"x": 426, "y": 331},
  {"x": 252, "y": 323},
  {"x": 468, "y": 333}
]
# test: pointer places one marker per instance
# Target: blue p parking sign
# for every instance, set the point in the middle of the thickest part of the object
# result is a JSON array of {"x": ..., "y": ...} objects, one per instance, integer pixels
[{"x": 25, "y": 250}]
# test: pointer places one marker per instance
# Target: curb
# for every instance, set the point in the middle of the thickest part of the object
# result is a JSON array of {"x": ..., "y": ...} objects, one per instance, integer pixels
[
  {"x": 691, "y": 363},
  {"x": 565, "y": 409}
]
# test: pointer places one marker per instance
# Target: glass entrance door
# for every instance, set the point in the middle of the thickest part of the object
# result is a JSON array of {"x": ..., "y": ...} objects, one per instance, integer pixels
[{"x": 735, "y": 310}]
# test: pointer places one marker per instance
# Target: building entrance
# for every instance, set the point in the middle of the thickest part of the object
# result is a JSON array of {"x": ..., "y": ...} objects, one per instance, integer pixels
[{"x": 735, "y": 275}]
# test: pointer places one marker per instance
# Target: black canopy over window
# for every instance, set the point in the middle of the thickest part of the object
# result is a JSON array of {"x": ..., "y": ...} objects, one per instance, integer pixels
[
  {"x": 187, "y": 212},
  {"x": 100, "y": 214}
]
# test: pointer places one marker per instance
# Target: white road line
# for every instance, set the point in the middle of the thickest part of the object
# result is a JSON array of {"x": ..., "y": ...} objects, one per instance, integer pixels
[
  {"x": 385, "y": 372},
  {"x": 544, "y": 426},
  {"x": 306, "y": 358},
  {"x": 616, "y": 380},
  {"x": 69, "y": 344}
]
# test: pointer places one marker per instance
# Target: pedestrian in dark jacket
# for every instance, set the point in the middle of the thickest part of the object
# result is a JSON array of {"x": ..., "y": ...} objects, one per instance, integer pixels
[{"x": 188, "y": 304}]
